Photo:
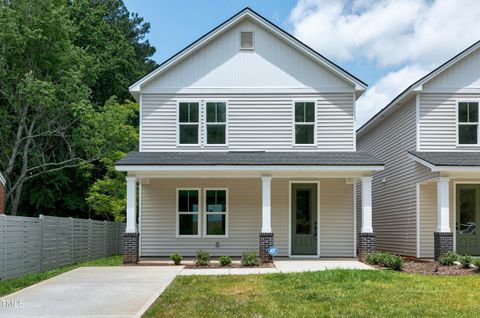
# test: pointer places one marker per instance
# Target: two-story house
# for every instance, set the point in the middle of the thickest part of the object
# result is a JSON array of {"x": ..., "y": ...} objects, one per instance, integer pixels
[
  {"x": 427, "y": 200},
  {"x": 247, "y": 140}
]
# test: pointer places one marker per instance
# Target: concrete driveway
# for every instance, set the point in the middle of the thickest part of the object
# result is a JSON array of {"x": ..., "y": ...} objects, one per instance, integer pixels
[{"x": 124, "y": 291}]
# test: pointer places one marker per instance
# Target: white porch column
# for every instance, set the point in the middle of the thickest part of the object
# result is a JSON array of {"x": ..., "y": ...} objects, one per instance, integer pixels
[
  {"x": 443, "y": 207},
  {"x": 266, "y": 205},
  {"x": 367, "y": 205},
  {"x": 131, "y": 205}
]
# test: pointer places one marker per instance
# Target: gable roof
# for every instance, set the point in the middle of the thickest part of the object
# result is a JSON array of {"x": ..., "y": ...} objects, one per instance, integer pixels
[
  {"x": 2, "y": 179},
  {"x": 416, "y": 87},
  {"x": 360, "y": 86}
]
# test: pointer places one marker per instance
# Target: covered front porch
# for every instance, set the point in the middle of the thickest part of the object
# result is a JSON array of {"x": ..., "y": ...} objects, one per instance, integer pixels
[
  {"x": 449, "y": 204},
  {"x": 306, "y": 208}
]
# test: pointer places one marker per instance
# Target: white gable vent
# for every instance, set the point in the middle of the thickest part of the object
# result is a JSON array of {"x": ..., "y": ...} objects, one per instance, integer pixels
[{"x": 246, "y": 40}]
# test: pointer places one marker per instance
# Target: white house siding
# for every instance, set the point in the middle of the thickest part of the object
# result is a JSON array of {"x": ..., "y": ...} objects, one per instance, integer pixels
[
  {"x": 158, "y": 219},
  {"x": 255, "y": 122},
  {"x": 221, "y": 64},
  {"x": 428, "y": 218},
  {"x": 438, "y": 124},
  {"x": 394, "y": 189},
  {"x": 336, "y": 218}
]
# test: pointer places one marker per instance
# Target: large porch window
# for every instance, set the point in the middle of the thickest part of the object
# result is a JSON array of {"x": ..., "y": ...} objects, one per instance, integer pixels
[
  {"x": 216, "y": 205},
  {"x": 188, "y": 212}
]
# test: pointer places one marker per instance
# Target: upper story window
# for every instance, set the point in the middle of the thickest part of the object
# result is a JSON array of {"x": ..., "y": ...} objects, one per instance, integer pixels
[
  {"x": 246, "y": 40},
  {"x": 304, "y": 121},
  {"x": 468, "y": 123},
  {"x": 216, "y": 123},
  {"x": 188, "y": 121}
]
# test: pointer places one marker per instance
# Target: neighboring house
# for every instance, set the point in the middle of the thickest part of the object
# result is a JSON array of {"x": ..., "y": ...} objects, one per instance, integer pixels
[
  {"x": 427, "y": 200},
  {"x": 3, "y": 190},
  {"x": 247, "y": 140}
]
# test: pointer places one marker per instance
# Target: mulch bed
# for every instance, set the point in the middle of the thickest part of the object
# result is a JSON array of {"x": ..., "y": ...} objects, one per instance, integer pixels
[
  {"x": 432, "y": 268},
  {"x": 215, "y": 265}
]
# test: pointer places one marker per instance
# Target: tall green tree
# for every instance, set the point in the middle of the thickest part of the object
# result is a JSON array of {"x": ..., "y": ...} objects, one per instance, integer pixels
[{"x": 60, "y": 62}]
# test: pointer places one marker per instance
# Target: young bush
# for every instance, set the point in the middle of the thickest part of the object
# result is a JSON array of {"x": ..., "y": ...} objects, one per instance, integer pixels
[
  {"x": 386, "y": 259},
  {"x": 394, "y": 262},
  {"x": 225, "y": 260},
  {"x": 466, "y": 260},
  {"x": 176, "y": 258},
  {"x": 202, "y": 259},
  {"x": 448, "y": 258},
  {"x": 250, "y": 259},
  {"x": 476, "y": 263}
]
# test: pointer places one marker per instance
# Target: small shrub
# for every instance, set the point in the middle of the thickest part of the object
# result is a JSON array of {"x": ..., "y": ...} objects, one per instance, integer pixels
[
  {"x": 394, "y": 262},
  {"x": 225, "y": 260},
  {"x": 250, "y": 259},
  {"x": 386, "y": 259},
  {"x": 448, "y": 258},
  {"x": 202, "y": 259},
  {"x": 176, "y": 258},
  {"x": 466, "y": 260},
  {"x": 476, "y": 262}
]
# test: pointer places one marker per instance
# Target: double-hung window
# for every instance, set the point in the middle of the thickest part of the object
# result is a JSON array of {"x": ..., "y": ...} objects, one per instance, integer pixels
[
  {"x": 304, "y": 118},
  {"x": 216, "y": 205},
  {"x": 216, "y": 123},
  {"x": 188, "y": 212},
  {"x": 468, "y": 123},
  {"x": 188, "y": 121}
]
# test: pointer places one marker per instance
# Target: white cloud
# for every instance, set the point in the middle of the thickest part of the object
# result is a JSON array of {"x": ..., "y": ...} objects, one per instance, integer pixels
[
  {"x": 382, "y": 92},
  {"x": 401, "y": 34}
]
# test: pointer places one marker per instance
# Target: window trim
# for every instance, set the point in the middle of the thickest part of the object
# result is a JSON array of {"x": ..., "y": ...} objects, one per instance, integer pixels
[
  {"x": 199, "y": 124},
  {"x": 457, "y": 123},
  {"x": 294, "y": 123},
  {"x": 205, "y": 123},
  {"x": 199, "y": 213},
  {"x": 240, "y": 40},
  {"x": 205, "y": 213}
]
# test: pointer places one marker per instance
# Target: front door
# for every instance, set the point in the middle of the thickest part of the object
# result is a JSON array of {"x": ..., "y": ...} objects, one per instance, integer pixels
[
  {"x": 304, "y": 219},
  {"x": 468, "y": 218}
]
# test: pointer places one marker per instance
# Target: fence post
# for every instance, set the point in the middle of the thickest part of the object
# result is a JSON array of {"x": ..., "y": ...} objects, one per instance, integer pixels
[
  {"x": 3, "y": 221},
  {"x": 40, "y": 217},
  {"x": 71, "y": 241},
  {"x": 89, "y": 239}
]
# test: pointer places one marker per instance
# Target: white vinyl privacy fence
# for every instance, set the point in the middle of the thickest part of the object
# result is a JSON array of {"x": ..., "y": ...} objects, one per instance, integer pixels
[{"x": 29, "y": 245}]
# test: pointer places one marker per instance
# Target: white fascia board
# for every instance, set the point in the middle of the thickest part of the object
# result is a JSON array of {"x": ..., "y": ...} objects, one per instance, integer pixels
[
  {"x": 435, "y": 168},
  {"x": 359, "y": 86},
  {"x": 245, "y": 168}
]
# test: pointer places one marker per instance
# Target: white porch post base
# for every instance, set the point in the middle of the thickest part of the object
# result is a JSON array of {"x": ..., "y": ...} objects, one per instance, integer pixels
[
  {"x": 443, "y": 207},
  {"x": 131, "y": 205},
  {"x": 367, "y": 205},
  {"x": 266, "y": 205}
]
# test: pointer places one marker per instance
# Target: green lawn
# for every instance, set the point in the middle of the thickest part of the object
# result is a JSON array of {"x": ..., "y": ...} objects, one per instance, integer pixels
[
  {"x": 337, "y": 293},
  {"x": 12, "y": 285}
]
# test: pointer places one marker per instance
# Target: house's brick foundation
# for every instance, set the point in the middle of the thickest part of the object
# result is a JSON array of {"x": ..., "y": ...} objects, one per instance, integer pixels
[
  {"x": 443, "y": 242},
  {"x": 367, "y": 245},
  {"x": 266, "y": 240},
  {"x": 130, "y": 248}
]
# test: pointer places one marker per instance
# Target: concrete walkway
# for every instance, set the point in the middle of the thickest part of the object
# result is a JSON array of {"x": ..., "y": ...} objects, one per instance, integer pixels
[
  {"x": 123, "y": 291},
  {"x": 282, "y": 266}
]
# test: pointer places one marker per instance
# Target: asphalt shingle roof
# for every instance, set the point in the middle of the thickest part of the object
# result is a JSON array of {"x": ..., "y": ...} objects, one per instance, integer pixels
[
  {"x": 469, "y": 159},
  {"x": 250, "y": 158}
]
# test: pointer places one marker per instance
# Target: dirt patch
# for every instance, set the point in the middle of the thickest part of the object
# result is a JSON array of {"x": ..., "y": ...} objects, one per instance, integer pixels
[
  {"x": 432, "y": 268},
  {"x": 214, "y": 265}
]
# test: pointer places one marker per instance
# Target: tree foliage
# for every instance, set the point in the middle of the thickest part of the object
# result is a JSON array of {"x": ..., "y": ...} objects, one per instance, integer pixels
[{"x": 62, "y": 64}]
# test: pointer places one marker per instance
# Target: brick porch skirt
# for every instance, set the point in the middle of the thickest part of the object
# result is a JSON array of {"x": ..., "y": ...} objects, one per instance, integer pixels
[
  {"x": 130, "y": 248},
  {"x": 266, "y": 240},
  {"x": 443, "y": 242},
  {"x": 367, "y": 245}
]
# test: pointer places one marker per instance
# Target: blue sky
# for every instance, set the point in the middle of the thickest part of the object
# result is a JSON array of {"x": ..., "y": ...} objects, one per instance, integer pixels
[{"x": 386, "y": 43}]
